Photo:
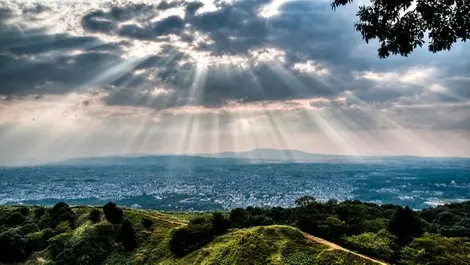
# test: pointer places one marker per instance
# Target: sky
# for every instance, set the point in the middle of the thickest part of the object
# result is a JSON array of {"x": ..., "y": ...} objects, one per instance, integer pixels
[{"x": 96, "y": 78}]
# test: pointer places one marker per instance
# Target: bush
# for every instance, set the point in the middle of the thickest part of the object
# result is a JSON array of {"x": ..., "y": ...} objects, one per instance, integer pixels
[
  {"x": 14, "y": 219},
  {"x": 61, "y": 212},
  {"x": 375, "y": 225},
  {"x": 39, "y": 240},
  {"x": 238, "y": 217},
  {"x": 197, "y": 234},
  {"x": 23, "y": 210},
  {"x": 39, "y": 212},
  {"x": 379, "y": 245},
  {"x": 437, "y": 250},
  {"x": 92, "y": 247},
  {"x": 219, "y": 223},
  {"x": 147, "y": 223},
  {"x": 12, "y": 246},
  {"x": 127, "y": 236},
  {"x": 112, "y": 213},
  {"x": 62, "y": 228},
  {"x": 94, "y": 216},
  {"x": 28, "y": 227}
]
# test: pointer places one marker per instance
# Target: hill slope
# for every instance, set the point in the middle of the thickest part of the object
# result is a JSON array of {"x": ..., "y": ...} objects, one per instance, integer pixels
[
  {"x": 272, "y": 245},
  {"x": 52, "y": 236}
]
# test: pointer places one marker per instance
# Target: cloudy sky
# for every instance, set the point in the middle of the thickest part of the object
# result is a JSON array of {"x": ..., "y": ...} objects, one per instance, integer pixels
[{"x": 91, "y": 78}]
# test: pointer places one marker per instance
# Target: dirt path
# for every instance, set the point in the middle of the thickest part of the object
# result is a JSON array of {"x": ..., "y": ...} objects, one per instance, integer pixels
[
  {"x": 333, "y": 246},
  {"x": 162, "y": 217}
]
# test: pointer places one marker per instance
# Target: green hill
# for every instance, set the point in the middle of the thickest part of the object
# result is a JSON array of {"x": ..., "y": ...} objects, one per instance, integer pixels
[
  {"x": 84, "y": 235},
  {"x": 270, "y": 245}
]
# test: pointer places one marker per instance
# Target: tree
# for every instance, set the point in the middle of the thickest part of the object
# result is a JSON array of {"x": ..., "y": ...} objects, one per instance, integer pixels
[
  {"x": 401, "y": 25},
  {"x": 127, "y": 236},
  {"x": 406, "y": 225},
  {"x": 61, "y": 212},
  {"x": 14, "y": 219},
  {"x": 436, "y": 250},
  {"x": 304, "y": 201},
  {"x": 379, "y": 245},
  {"x": 238, "y": 217},
  {"x": 112, "y": 213},
  {"x": 219, "y": 223},
  {"x": 94, "y": 216},
  {"x": 12, "y": 246}
]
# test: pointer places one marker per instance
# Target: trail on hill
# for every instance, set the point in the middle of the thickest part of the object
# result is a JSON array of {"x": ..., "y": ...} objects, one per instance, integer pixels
[
  {"x": 163, "y": 217},
  {"x": 333, "y": 246}
]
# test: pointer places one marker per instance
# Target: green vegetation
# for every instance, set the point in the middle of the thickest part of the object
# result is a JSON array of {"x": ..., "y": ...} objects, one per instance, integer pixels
[
  {"x": 402, "y": 25},
  {"x": 111, "y": 235}
]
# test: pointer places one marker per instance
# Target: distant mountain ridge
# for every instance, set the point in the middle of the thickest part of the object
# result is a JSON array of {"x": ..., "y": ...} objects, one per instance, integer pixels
[
  {"x": 244, "y": 157},
  {"x": 281, "y": 155}
]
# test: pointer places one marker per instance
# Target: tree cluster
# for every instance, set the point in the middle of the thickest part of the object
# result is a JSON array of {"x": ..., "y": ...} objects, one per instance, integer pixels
[
  {"x": 381, "y": 231},
  {"x": 25, "y": 230}
]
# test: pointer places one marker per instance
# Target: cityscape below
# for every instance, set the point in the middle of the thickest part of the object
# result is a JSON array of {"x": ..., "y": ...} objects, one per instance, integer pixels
[{"x": 226, "y": 181}]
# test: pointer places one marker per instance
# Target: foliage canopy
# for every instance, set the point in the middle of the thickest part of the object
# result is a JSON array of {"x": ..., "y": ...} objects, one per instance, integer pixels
[{"x": 403, "y": 25}]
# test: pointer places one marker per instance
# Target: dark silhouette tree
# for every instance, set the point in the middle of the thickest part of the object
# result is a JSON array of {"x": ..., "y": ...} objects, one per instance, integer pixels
[
  {"x": 94, "y": 216},
  {"x": 61, "y": 212},
  {"x": 12, "y": 246},
  {"x": 401, "y": 25},
  {"x": 39, "y": 212},
  {"x": 406, "y": 225},
  {"x": 147, "y": 223},
  {"x": 112, "y": 213},
  {"x": 127, "y": 235},
  {"x": 238, "y": 217},
  {"x": 14, "y": 219},
  {"x": 219, "y": 223}
]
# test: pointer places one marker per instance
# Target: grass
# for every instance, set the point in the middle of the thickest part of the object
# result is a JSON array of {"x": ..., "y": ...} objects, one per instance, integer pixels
[{"x": 268, "y": 245}]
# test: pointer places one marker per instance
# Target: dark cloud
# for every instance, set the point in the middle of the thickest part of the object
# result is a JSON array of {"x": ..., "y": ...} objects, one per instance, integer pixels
[
  {"x": 23, "y": 76},
  {"x": 98, "y": 21},
  {"x": 26, "y": 63},
  {"x": 192, "y": 7},
  {"x": 303, "y": 30},
  {"x": 164, "y": 5},
  {"x": 5, "y": 13},
  {"x": 110, "y": 22},
  {"x": 20, "y": 41},
  {"x": 169, "y": 25}
]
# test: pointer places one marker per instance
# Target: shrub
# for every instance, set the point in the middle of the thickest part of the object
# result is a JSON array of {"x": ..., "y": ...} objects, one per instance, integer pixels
[
  {"x": 39, "y": 240},
  {"x": 379, "y": 244},
  {"x": 147, "y": 223},
  {"x": 28, "y": 227},
  {"x": 12, "y": 246},
  {"x": 112, "y": 213},
  {"x": 39, "y": 212},
  {"x": 94, "y": 216},
  {"x": 91, "y": 247},
  {"x": 197, "y": 234},
  {"x": 436, "y": 250},
  {"x": 14, "y": 219},
  {"x": 219, "y": 223},
  {"x": 238, "y": 217},
  {"x": 127, "y": 236},
  {"x": 61, "y": 212}
]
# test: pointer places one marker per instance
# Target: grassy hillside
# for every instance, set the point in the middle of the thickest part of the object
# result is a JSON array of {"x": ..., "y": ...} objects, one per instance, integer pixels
[
  {"x": 84, "y": 235},
  {"x": 270, "y": 245}
]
